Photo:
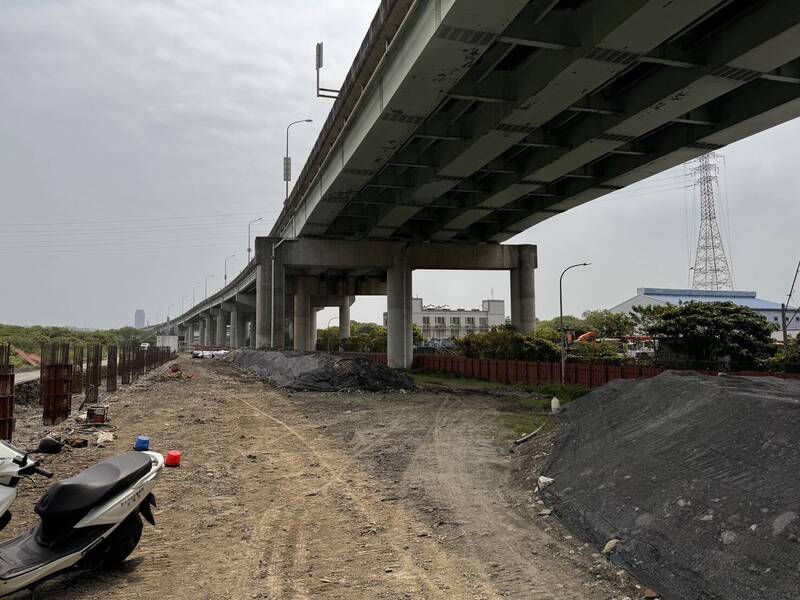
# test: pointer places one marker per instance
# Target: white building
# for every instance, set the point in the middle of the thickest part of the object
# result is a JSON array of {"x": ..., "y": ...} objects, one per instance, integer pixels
[
  {"x": 771, "y": 311},
  {"x": 444, "y": 323}
]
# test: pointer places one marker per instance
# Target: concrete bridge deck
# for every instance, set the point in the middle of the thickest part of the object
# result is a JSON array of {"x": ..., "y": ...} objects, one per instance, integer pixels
[{"x": 464, "y": 122}]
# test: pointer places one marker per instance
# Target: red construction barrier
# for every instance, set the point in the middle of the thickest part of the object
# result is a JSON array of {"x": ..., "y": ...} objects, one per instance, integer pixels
[{"x": 534, "y": 373}]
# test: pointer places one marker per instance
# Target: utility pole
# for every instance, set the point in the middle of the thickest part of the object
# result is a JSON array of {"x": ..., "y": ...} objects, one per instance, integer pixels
[
  {"x": 783, "y": 323},
  {"x": 711, "y": 269}
]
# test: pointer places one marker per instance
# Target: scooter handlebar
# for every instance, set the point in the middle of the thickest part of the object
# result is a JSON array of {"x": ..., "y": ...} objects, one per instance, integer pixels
[
  {"x": 35, "y": 468},
  {"x": 42, "y": 471}
]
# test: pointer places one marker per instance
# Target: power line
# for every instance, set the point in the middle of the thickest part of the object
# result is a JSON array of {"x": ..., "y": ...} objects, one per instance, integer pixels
[
  {"x": 34, "y": 252},
  {"x": 80, "y": 233},
  {"x": 214, "y": 216}
]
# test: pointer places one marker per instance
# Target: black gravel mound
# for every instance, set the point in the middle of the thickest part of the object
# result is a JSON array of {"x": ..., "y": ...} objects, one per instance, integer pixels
[
  {"x": 698, "y": 477},
  {"x": 317, "y": 371}
]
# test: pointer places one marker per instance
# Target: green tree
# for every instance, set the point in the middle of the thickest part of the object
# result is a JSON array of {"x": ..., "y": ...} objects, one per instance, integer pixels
[
  {"x": 541, "y": 349},
  {"x": 571, "y": 323},
  {"x": 645, "y": 317},
  {"x": 546, "y": 332},
  {"x": 607, "y": 324},
  {"x": 595, "y": 352},
  {"x": 714, "y": 331}
]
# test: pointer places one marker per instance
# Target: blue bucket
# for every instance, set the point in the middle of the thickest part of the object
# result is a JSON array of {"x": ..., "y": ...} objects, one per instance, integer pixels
[{"x": 142, "y": 443}]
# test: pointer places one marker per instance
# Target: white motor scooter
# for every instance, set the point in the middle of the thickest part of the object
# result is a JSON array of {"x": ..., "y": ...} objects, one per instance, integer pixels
[{"x": 89, "y": 520}]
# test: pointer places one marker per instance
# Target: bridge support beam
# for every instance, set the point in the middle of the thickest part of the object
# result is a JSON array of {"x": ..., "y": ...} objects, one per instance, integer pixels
[
  {"x": 400, "y": 340},
  {"x": 523, "y": 294}
]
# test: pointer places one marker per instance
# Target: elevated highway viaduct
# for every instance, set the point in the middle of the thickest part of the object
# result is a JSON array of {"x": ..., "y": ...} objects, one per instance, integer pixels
[{"x": 463, "y": 123}]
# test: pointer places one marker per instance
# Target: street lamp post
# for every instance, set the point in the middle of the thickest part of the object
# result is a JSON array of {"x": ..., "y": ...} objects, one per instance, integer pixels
[
  {"x": 227, "y": 258},
  {"x": 193, "y": 289},
  {"x": 287, "y": 161},
  {"x": 207, "y": 278},
  {"x": 329, "y": 333},
  {"x": 561, "y": 313},
  {"x": 183, "y": 304},
  {"x": 248, "y": 236},
  {"x": 169, "y": 311}
]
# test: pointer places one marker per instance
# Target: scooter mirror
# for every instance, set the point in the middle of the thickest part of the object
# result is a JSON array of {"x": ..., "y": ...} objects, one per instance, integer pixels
[{"x": 48, "y": 445}]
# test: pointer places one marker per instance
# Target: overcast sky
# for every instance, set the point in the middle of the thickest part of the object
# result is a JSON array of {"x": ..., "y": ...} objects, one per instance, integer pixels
[{"x": 137, "y": 139}]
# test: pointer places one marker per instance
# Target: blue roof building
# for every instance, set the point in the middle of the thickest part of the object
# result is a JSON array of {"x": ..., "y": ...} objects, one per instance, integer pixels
[{"x": 771, "y": 311}]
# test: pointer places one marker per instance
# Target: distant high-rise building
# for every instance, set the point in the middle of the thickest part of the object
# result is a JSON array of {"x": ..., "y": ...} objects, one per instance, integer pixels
[{"x": 138, "y": 319}]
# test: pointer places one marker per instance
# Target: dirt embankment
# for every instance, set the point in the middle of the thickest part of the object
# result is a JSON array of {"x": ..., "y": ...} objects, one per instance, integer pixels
[{"x": 329, "y": 495}]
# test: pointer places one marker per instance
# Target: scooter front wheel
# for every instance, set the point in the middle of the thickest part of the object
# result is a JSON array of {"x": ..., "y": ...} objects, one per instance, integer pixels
[{"x": 118, "y": 546}]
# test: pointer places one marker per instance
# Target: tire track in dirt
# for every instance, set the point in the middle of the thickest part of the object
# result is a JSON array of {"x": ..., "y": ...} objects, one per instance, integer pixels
[
  {"x": 516, "y": 570},
  {"x": 399, "y": 525}
]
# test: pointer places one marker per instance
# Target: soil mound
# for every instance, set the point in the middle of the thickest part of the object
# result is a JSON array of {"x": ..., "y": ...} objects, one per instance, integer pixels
[
  {"x": 696, "y": 476},
  {"x": 316, "y": 371}
]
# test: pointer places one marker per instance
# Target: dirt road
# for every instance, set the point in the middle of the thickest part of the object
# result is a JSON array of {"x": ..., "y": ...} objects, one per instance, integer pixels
[{"x": 357, "y": 496}]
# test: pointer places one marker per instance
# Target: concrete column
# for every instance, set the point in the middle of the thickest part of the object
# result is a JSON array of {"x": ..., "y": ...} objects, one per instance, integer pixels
[
  {"x": 205, "y": 331},
  {"x": 344, "y": 320},
  {"x": 312, "y": 328},
  {"x": 523, "y": 297},
  {"x": 235, "y": 322},
  {"x": 264, "y": 299},
  {"x": 222, "y": 328},
  {"x": 302, "y": 315},
  {"x": 241, "y": 328},
  {"x": 252, "y": 327},
  {"x": 400, "y": 346}
]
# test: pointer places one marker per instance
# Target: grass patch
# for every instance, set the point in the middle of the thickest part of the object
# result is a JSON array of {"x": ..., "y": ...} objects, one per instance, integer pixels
[
  {"x": 565, "y": 393},
  {"x": 515, "y": 425},
  {"x": 531, "y": 400},
  {"x": 455, "y": 382}
]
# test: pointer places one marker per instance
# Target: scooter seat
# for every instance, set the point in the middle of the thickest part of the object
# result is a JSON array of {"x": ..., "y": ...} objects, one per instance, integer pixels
[{"x": 67, "y": 501}]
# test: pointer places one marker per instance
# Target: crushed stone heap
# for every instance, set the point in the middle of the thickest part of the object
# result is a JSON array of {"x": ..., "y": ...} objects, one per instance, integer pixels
[
  {"x": 320, "y": 372},
  {"x": 697, "y": 477}
]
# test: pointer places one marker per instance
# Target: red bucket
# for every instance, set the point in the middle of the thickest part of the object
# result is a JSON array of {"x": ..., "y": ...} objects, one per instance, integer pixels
[{"x": 173, "y": 459}]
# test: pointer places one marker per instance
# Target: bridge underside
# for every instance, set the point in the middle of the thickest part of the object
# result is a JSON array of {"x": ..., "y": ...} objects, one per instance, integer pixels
[
  {"x": 489, "y": 117},
  {"x": 294, "y": 279}
]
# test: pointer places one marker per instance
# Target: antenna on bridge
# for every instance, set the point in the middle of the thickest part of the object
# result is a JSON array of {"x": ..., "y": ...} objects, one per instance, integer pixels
[
  {"x": 329, "y": 93},
  {"x": 711, "y": 270}
]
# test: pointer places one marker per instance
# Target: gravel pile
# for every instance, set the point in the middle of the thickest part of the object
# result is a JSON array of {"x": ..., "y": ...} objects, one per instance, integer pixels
[
  {"x": 697, "y": 477},
  {"x": 320, "y": 372}
]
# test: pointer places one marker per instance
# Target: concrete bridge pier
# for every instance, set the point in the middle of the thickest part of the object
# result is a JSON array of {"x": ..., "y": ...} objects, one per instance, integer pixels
[
  {"x": 221, "y": 328},
  {"x": 344, "y": 319},
  {"x": 305, "y": 316},
  {"x": 205, "y": 328},
  {"x": 400, "y": 338},
  {"x": 523, "y": 293},
  {"x": 235, "y": 319}
]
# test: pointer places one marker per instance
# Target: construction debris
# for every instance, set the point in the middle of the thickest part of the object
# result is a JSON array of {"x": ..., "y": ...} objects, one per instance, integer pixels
[
  {"x": 316, "y": 371},
  {"x": 690, "y": 482}
]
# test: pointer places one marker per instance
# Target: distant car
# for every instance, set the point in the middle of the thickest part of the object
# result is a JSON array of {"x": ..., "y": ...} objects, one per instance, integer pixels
[{"x": 144, "y": 345}]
